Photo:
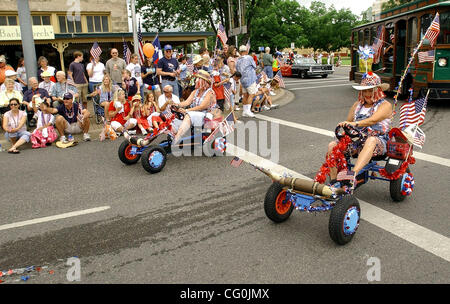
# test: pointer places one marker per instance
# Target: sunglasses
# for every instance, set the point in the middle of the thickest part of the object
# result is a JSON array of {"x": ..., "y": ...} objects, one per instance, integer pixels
[{"x": 14, "y": 104}]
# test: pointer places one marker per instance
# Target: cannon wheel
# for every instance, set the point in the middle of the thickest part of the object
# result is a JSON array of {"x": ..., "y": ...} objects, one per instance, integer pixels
[
  {"x": 395, "y": 187},
  {"x": 125, "y": 153},
  {"x": 277, "y": 210},
  {"x": 154, "y": 159},
  {"x": 344, "y": 220}
]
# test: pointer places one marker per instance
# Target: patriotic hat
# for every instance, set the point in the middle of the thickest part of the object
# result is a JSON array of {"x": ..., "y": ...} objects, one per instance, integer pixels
[
  {"x": 406, "y": 135},
  {"x": 197, "y": 59},
  {"x": 371, "y": 80},
  {"x": 203, "y": 75}
]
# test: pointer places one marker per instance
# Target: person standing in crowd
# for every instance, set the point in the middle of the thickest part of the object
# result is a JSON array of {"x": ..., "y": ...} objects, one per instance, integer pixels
[
  {"x": 235, "y": 90},
  {"x": 135, "y": 68},
  {"x": 3, "y": 68},
  {"x": 275, "y": 65},
  {"x": 46, "y": 84},
  {"x": 168, "y": 69},
  {"x": 232, "y": 58},
  {"x": 247, "y": 67},
  {"x": 207, "y": 63},
  {"x": 267, "y": 63},
  {"x": 11, "y": 74},
  {"x": 76, "y": 73},
  {"x": 71, "y": 119},
  {"x": 60, "y": 88},
  {"x": 95, "y": 70},
  {"x": 14, "y": 125},
  {"x": 319, "y": 58},
  {"x": 22, "y": 74},
  {"x": 150, "y": 79},
  {"x": 43, "y": 66},
  {"x": 218, "y": 83},
  {"x": 114, "y": 67}
]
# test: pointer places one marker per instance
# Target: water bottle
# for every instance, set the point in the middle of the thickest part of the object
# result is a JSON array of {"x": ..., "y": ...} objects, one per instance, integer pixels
[{"x": 70, "y": 137}]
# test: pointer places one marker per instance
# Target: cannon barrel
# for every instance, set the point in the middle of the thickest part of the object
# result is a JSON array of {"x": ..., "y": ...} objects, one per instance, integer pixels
[{"x": 303, "y": 185}]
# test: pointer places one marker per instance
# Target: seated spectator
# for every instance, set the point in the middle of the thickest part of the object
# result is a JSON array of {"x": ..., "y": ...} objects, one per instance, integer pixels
[
  {"x": 129, "y": 84},
  {"x": 121, "y": 113},
  {"x": 15, "y": 127},
  {"x": 7, "y": 94},
  {"x": 46, "y": 84},
  {"x": 30, "y": 95},
  {"x": 60, "y": 88},
  {"x": 11, "y": 74},
  {"x": 140, "y": 114},
  {"x": 167, "y": 98},
  {"x": 3, "y": 68},
  {"x": 152, "y": 110},
  {"x": 45, "y": 133},
  {"x": 43, "y": 64},
  {"x": 71, "y": 119},
  {"x": 106, "y": 91}
]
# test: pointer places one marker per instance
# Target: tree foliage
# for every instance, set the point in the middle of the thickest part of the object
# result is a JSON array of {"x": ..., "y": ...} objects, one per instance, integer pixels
[{"x": 394, "y": 3}]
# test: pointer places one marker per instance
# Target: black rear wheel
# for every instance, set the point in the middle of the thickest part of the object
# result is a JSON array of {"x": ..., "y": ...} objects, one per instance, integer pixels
[
  {"x": 344, "y": 220},
  {"x": 125, "y": 154},
  {"x": 154, "y": 159}
]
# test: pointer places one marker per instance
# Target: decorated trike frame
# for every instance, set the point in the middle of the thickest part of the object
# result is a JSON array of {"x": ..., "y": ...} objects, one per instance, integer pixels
[
  {"x": 288, "y": 193},
  {"x": 154, "y": 156}
]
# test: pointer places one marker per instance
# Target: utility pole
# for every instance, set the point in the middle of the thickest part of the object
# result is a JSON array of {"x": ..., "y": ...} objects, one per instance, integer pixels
[
  {"x": 133, "y": 19},
  {"x": 26, "y": 33}
]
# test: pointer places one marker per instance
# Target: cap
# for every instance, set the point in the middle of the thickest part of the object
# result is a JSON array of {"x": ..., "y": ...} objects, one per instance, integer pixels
[
  {"x": 243, "y": 48},
  {"x": 10, "y": 73},
  {"x": 68, "y": 96},
  {"x": 203, "y": 75},
  {"x": 167, "y": 47},
  {"x": 46, "y": 74}
]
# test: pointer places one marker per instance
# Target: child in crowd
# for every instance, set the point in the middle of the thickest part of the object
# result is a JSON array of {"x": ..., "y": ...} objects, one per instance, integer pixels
[
  {"x": 45, "y": 132},
  {"x": 130, "y": 84},
  {"x": 141, "y": 114},
  {"x": 235, "y": 86},
  {"x": 152, "y": 109}
]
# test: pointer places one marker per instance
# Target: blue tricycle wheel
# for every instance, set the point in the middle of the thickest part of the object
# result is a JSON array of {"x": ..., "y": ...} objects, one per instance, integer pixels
[{"x": 344, "y": 220}]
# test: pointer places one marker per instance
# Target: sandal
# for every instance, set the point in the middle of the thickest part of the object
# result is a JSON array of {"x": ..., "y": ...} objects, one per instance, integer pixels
[{"x": 15, "y": 151}]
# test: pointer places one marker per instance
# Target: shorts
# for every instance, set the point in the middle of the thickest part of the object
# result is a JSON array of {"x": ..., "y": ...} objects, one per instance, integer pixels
[
  {"x": 73, "y": 128},
  {"x": 380, "y": 146},
  {"x": 197, "y": 118},
  {"x": 82, "y": 91},
  {"x": 130, "y": 123},
  {"x": 252, "y": 89},
  {"x": 25, "y": 135}
]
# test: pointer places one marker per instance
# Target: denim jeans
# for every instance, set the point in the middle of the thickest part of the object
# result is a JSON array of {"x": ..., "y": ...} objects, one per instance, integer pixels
[
  {"x": 174, "y": 85},
  {"x": 268, "y": 71}
]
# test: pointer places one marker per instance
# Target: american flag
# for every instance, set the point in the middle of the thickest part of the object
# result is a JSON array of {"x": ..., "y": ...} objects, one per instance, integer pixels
[
  {"x": 377, "y": 44},
  {"x": 227, "y": 125},
  {"x": 248, "y": 45},
  {"x": 426, "y": 56},
  {"x": 346, "y": 175},
  {"x": 413, "y": 112},
  {"x": 221, "y": 34},
  {"x": 236, "y": 162},
  {"x": 190, "y": 65},
  {"x": 126, "y": 52},
  {"x": 433, "y": 31},
  {"x": 279, "y": 78},
  {"x": 158, "y": 52},
  {"x": 261, "y": 76},
  {"x": 166, "y": 114},
  {"x": 141, "y": 45},
  {"x": 96, "y": 50},
  {"x": 419, "y": 138},
  {"x": 227, "y": 93}
]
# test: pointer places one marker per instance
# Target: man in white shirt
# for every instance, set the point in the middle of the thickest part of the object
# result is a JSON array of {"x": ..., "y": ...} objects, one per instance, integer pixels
[
  {"x": 167, "y": 97},
  {"x": 135, "y": 68}
]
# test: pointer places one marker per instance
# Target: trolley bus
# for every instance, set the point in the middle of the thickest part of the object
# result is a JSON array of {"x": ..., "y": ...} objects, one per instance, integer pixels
[{"x": 404, "y": 27}]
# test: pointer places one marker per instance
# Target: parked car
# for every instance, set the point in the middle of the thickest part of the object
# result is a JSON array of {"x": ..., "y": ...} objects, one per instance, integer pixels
[{"x": 306, "y": 67}]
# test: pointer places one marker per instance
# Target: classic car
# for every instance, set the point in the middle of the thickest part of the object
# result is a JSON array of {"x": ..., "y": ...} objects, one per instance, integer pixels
[{"x": 306, "y": 67}]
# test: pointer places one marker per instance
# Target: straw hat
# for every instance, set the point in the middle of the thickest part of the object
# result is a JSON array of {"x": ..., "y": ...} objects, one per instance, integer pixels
[
  {"x": 197, "y": 59},
  {"x": 136, "y": 97},
  {"x": 203, "y": 75},
  {"x": 46, "y": 74},
  {"x": 371, "y": 80}
]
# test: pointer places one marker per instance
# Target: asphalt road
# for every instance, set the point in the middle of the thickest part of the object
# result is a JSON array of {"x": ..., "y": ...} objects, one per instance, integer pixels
[{"x": 202, "y": 221}]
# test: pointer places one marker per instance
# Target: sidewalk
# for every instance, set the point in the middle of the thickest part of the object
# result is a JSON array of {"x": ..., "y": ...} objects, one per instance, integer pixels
[{"x": 282, "y": 98}]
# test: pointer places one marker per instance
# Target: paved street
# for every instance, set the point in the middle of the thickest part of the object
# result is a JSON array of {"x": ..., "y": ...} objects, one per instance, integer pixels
[{"x": 202, "y": 221}]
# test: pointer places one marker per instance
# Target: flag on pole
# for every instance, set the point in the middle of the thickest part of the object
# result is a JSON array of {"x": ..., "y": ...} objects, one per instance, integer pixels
[
  {"x": 248, "y": 45},
  {"x": 426, "y": 56},
  {"x": 126, "y": 52},
  {"x": 221, "y": 34},
  {"x": 227, "y": 125},
  {"x": 419, "y": 138},
  {"x": 158, "y": 52},
  {"x": 227, "y": 93},
  {"x": 378, "y": 44},
  {"x": 433, "y": 31},
  {"x": 141, "y": 45},
  {"x": 96, "y": 50},
  {"x": 413, "y": 113},
  {"x": 279, "y": 78}
]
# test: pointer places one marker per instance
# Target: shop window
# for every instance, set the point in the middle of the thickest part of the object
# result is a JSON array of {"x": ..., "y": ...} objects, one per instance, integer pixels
[
  {"x": 41, "y": 20},
  {"x": 69, "y": 26},
  {"x": 8, "y": 20},
  {"x": 97, "y": 24}
]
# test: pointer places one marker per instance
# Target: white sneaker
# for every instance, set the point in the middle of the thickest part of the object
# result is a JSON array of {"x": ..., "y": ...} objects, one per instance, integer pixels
[
  {"x": 237, "y": 109},
  {"x": 248, "y": 114},
  {"x": 63, "y": 139},
  {"x": 272, "y": 93},
  {"x": 274, "y": 106},
  {"x": 86, "y": 137},
  {"x": 266, "y": 108}
]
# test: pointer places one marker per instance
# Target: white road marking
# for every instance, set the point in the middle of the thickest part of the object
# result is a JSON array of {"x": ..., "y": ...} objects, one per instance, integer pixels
[
  {"x": 421, "y": 237},
  {"x": 325, "y": 86},
  {"x": 53, "y": 218},
  {"x": 313, "y": 83},
  {"x": 418, "y": 155}
]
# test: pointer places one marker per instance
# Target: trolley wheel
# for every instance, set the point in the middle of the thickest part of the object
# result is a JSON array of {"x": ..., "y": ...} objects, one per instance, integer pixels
[
  {"x": 395, "y": 187},
  {"x": 125, "y": 153},
  {"x": 154, "y": 159},
  {"x": 324, "y": 75},
  {"x": 344, "y": 220},
  {"x": 275, "y": 206}
]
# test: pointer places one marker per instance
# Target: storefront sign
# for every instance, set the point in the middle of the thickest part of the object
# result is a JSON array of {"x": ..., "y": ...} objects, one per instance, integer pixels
[{"x": 40, "y": 32}]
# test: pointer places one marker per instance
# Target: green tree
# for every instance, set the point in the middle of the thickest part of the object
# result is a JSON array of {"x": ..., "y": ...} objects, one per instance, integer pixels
[{"x": 394, "y": 3}]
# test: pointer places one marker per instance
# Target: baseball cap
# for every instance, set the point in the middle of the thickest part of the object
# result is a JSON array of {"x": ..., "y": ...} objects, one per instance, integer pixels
[
  {"x": 68, "y": 96},
  {"x": 10, "y": 73},
  {"x": 243, "y": 48},
  {"x": 167, "y": 47}
]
